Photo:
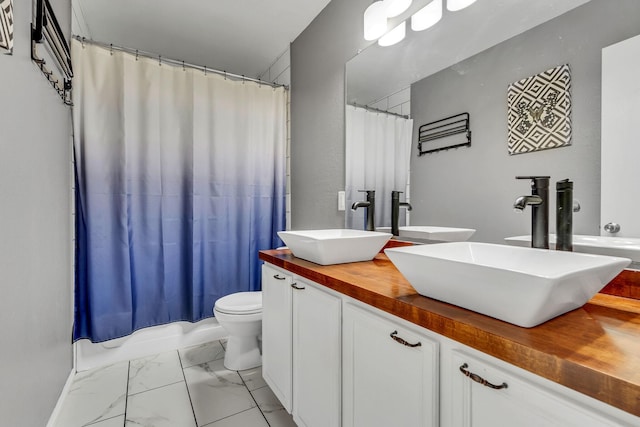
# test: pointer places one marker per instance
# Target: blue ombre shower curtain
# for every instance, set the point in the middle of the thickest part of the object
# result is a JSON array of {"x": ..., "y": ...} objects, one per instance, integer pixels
[{"x": 180, "y": 181}]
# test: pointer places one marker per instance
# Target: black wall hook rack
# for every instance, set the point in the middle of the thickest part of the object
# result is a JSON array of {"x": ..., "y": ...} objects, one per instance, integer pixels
[
  {"x": 443, "y": 128},
  {"x": 46, "y": 30}
]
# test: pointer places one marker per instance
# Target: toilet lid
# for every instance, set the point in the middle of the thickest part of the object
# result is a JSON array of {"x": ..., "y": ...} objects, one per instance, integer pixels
[{"x": 240, "y": 303}]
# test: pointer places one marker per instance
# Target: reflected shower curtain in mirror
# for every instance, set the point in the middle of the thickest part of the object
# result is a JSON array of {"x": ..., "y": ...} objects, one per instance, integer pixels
[
  {"x": 180, "y": 181},
  {"x": 378, "y": 150}
]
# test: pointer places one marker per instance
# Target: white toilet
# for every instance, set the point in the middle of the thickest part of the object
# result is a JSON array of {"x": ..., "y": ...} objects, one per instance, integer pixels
[{"x": 240, "y": 314}]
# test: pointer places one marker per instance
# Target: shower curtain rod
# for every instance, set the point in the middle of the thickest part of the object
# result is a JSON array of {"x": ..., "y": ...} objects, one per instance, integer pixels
[
  {"x": 377, "y": 110},
  {"x": 182, "y": 64}
]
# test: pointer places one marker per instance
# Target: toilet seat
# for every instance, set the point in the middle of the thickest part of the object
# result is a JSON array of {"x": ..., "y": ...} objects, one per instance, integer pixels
[{"x": 240, "y": 303}]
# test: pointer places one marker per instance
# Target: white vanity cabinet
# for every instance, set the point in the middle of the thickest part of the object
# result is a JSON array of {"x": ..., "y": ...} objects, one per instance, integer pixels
[
  {"x": 333, "y": 360},
  {"x": 480, "y": 391},
  {"x": 390, "y": 372},
  {"x": 316, "y": 356},
  {"x": 302, "y": 363},
  {"x": 277, "y": 333}
]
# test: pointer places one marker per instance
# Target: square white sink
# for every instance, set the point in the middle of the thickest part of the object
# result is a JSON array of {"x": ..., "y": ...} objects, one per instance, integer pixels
[
  {"x": 522, "y": 286},
  {"x": 628, "y": 247},
  {"x": 432, "y": 233},
  {"x": 335, "y": 246}
]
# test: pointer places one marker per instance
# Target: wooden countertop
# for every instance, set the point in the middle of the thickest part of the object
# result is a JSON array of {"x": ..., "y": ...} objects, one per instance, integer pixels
[{"x": 594, "y": 349}]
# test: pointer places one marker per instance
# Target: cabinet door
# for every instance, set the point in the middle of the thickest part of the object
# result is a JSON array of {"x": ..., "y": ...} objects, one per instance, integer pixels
[
  {"x": 508, "y": 400},
  {"x": 387, "y": 381},
  {"x": 316, "y": 356},
  {"x": 276, "y": 333}
]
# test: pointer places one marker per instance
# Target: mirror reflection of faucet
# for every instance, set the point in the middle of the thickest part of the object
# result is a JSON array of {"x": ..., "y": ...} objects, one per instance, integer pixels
[
  {"x": 538, "y": 200},
  {"x": 370, "y": 204},
  {"x": 564, "y": 215},
  {"x": 396, "y": 204}
]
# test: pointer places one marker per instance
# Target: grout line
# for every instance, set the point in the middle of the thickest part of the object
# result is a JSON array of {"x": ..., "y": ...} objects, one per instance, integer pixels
[
  {"x": 228, "y": 416},
  {"x": 254, "y": 399},
  {"x": 193, "y": 411},
  {"x": 126, "y": 394},
  {"x": 160, "y": 386},
  {"x": 104, "y": 419}
]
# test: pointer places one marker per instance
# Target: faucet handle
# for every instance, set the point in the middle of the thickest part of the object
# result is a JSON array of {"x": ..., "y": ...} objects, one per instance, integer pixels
[
  {"x": 371, "y": 194},
  {"x": 537, "y": 181},
  {"x": 612, "y": 227}
]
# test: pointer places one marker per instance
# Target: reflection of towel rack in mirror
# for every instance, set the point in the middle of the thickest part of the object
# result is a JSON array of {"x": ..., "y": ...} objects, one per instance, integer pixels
[
  {"x": 444, "y": 128},
  {"x": 46, "y": 29}
]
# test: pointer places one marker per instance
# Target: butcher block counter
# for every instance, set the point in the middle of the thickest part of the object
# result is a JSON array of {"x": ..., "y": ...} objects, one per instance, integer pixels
[{"x": 594, "y": 350}]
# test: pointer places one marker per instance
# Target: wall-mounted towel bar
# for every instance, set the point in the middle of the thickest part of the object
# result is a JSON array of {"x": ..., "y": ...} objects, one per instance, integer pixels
[
  {"x": 46, "y": 31},
  {"x": 443, "y": 129}
]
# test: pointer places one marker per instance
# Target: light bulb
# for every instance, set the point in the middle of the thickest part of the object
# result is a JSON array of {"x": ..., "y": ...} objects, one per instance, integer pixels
[
  {"x": 394, "y": 36},
  {"x": 396, "y": 7},
  {"x": 455, "y": 5},
  {"x": 427, "y": 17},
  {"x": 375, "y": 21}
]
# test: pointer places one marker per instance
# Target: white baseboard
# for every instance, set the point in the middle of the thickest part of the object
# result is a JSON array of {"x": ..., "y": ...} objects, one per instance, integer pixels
[
  {"x": 146, "y": 342},
  {"x": 63, "y": 394}
]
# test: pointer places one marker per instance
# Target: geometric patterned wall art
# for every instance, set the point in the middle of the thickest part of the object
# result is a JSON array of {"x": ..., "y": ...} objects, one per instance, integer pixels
[
  {"x": 539, "y": 115},
  {"x": 6, "y": 26}
]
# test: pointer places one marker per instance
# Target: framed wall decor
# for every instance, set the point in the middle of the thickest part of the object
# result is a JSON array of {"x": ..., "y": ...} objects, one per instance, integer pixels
[
  {"x": 539, "y": 111},
  {"x": 6, "y": 26}
]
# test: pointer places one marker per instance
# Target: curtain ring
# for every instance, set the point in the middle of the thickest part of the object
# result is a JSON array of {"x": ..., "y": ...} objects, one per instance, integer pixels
[
  {"x": 183, "y": 69},
  {"x": 160, "y": 60},
  {"x": 111, "y": 49},
  {"x": 82, "y": 42},
  {"x": 136, "y": 54},
  {"x": 225, "y": 75},
  {"x": 243, "y": 79},
  {"x": 205, "y": 70}
]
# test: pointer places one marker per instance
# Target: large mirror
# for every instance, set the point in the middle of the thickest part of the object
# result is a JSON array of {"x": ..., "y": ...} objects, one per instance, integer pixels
[{"x": 465, "y": 64}]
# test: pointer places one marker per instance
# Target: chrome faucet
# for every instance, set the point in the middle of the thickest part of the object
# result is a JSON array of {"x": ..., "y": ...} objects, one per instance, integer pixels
[
  {"x": 395, "y": 211},
  {"x": 539, "y": 202},
  {"x": 370, "y": 204}
]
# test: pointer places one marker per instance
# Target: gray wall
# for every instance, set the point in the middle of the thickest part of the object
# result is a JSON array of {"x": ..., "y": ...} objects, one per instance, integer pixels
[
  {"x": 318, "y": 57},
  {"x": 475, "y": 187},
  {"x": 35, "y": 233}
]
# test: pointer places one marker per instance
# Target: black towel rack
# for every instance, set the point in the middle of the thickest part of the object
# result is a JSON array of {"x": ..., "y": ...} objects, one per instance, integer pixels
[
  {"x": 450, "y": 126},
  {"x": 46, "y": 30}
]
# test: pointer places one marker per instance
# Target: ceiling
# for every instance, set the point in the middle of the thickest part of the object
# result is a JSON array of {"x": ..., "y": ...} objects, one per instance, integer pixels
[{"x": 242, "y": 37}]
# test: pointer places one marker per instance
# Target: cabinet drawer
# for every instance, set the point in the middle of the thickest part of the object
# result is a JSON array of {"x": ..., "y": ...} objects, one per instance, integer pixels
[{"x": 483, "y": 394}]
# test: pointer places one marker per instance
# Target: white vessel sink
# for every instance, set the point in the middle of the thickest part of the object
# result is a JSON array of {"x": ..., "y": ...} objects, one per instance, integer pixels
[
  {"x": 432, "y": 233},
  {"x": 628, "y": 247},
  {"x": 522, "y": 286},
  {"x": 336, "y": 246}
]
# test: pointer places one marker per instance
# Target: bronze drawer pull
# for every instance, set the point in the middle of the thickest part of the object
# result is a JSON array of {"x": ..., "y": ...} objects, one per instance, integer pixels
[
  {"x": 278, "y": 277},
  {"x": 477, "y": 378},
  {"x": 295, "y": 286},
  {"x": 396, "y": 338}
]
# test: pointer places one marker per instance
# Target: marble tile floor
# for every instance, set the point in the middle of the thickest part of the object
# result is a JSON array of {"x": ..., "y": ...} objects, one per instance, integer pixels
[{"x": 184, "y": 388}]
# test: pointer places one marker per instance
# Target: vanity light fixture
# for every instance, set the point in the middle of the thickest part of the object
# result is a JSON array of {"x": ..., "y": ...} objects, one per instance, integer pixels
[
  {"x": 455, "y": 5},
  {"x": 394, "y": 36},
  {"x": 427, "y": 17},
  {"x": 396, "y": 7},
  {"x": 375, "y": 20}
]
